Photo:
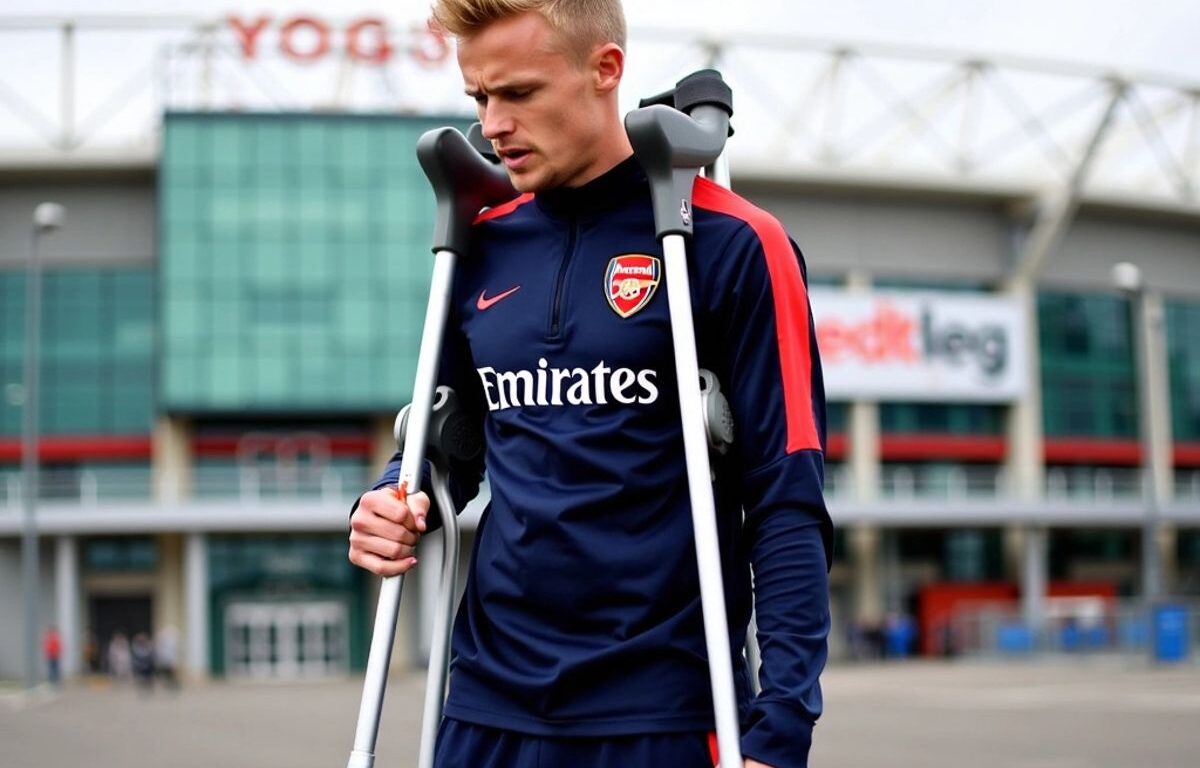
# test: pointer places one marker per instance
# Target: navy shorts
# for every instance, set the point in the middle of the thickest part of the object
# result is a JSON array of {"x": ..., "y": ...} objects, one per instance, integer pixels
[{"x": 466, "y": 745}]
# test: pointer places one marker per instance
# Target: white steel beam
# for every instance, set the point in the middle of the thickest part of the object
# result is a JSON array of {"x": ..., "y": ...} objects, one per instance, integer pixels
[{"x": 1057, "y": 207}]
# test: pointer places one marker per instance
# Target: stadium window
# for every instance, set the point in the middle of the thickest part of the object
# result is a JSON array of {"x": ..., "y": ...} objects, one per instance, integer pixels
[
  {"x": 1188, "y": 553},
  {"x": 120, "y": 554},
  {"x": 1087, "y": 365},
  {"x": 1183, "y": 344},
  {"x": 973, "y": 554}
]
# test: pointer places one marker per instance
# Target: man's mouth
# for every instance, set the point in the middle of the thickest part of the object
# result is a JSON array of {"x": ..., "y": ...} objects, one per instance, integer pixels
[{"x": 513, "y": 158}]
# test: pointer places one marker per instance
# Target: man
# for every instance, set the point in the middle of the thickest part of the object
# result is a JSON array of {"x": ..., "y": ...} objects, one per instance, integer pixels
[{"x": 579, "y": 641}]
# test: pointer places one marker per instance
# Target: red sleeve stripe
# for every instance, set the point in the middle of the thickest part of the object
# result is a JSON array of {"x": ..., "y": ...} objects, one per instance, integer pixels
[
  {"x": 503, "y": 210},
  {"x": 791, "y": 309}
]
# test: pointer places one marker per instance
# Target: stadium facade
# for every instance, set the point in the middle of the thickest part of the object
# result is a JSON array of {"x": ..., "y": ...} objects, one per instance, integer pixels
[{"x": 231, "y": 314}]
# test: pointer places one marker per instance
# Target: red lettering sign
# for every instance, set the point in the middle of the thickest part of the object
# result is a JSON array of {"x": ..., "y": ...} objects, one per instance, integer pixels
[
  {"x": 308, "y": 39},
  {"x": 432, "y": 49},
  {"x": 886, "y": 335},
  {"x": 376, "y": 29},
  {"x": 247, "y": 35},
  {"x": 287, "y": 38}
]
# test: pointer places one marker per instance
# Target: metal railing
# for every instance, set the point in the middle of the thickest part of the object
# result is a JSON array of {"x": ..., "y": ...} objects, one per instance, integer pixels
[
  {"x": 1075, "y": 626},
  {"x": 1187, "y": 485},
  {"x": 913, "y": 481},
  {"x": 89, "y": 489},
  {"x": 86, "y": 487},
  {"x": 1094, "y": 483},
  {"x": 837, "y": 480},
  {"x": 949, "y": 483}
]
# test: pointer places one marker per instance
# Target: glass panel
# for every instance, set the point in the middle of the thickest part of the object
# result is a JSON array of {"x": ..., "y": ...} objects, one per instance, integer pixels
[
  {"x": 97, "y": 348},
  {"x": 129, "y": 553},
  {"x": 973, "y": 555},
  {"x": 958, "y": 418},
  {"x": 296, "y": 252},
  {"x": 1088, "y": 384},
  {"x": 1183, "y": 344}
]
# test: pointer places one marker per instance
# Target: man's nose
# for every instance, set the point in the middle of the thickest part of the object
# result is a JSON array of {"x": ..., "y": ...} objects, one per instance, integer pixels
[{"x": 496, "y": 122}]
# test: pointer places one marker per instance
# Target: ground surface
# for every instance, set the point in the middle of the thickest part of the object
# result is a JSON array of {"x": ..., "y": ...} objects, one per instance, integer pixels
[{"x": 921, "y": 715}]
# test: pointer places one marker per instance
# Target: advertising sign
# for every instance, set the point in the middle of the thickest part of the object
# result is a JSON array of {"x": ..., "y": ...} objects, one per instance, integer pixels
[
  {"x": 308, "y": 39},
  {"x": 926, "y": 346}
]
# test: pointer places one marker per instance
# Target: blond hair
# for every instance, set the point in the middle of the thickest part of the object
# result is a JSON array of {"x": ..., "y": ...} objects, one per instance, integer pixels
[{"x": 583, "y": 24}]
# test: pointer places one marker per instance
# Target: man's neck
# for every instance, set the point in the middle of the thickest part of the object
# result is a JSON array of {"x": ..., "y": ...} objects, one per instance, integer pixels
[{"x": 615, "y": 150}]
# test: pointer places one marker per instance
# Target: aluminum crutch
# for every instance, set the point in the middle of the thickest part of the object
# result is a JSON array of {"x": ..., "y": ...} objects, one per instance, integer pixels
[
  {"x": 718, "y": 172},
  {"x": 672, "y": 146},
  {"x": 463, "y": 183}
]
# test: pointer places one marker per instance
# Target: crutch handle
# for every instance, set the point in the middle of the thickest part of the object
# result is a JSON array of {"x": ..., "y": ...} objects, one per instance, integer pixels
[
  {"x": 464, "y": 182},
  {"x": 705, "y": 86},
  {"x": 673, "y": 144},
  {"x": 666, "y": 99},
  {"x": 481, "y": 143}
]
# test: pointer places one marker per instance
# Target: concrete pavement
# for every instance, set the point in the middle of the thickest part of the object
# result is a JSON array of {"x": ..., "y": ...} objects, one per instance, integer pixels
[{"x": 924, "y": 715}]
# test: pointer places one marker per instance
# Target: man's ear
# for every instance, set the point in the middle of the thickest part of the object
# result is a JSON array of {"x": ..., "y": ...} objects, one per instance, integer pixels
[{"x": 608, "y": 65}]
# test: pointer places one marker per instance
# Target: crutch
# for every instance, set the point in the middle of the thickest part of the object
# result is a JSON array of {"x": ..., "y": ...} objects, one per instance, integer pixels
[
  {"x": 463, "y": 183},
  {"x": 673, "y": 145},
  {"x": 718, "y": 172}
]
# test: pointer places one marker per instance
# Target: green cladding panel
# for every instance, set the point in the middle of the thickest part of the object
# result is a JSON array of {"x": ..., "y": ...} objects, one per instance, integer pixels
[
  {"x": 295, "y": 261},
  {"x": 1183, "y": 343},
  {"x": 1089, "y": 381},
  {"x": 97, "y": 351}
]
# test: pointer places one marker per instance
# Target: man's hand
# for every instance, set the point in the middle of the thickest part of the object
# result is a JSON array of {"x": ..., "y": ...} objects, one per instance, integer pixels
[
  {"x": 385, "y": 529},
  {"x": 756, "y": 764}
]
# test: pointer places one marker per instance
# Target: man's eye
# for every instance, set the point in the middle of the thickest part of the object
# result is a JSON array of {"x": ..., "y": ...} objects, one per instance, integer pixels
[{"x": 480, "y": 99}]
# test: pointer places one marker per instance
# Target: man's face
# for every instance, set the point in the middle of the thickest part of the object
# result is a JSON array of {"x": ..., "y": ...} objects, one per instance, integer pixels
[{"x": 538, "y": 106}]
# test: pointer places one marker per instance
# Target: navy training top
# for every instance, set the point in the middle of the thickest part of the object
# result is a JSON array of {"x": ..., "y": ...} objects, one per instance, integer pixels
[{"x": 581, "y": 614}]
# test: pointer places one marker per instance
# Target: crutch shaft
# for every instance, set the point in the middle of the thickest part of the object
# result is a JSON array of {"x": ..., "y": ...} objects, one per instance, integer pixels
[
  {"x": 439, "y": 649},
  {"x": 704, "y": 516},
  {"x": 379, "y": 659}
]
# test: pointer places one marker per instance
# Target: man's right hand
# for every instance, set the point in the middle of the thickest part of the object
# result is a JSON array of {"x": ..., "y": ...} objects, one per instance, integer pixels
[{"x": 385, "y": 529}]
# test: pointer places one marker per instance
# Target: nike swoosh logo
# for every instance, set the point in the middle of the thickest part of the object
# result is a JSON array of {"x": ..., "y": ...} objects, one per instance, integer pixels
[{"x": 485, "y": 303}]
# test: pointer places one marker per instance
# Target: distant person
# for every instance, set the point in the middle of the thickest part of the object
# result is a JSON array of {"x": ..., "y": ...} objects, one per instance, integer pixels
[
  {"x": 52, "y": 650},
  {"x": 166, "y": 656},
  {"x": 120, "y": 658},
  {"x": 142, "y": 656},
  {"x": 91, "y": 654}
]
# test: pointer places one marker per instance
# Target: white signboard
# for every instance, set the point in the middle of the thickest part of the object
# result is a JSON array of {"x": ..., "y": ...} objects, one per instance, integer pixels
[{"x": 927, "y": 346}]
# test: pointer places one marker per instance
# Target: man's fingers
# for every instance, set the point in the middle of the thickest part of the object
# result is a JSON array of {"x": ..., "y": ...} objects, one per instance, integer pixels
[
  {"x": 373, "y": 525},
  {"x": 387, "y": 503},
  {"x": 380, "y": 566},
  {"x": 419, "y": 504},
  {"x": 385, "y": 530},
  {"x": 381, "y": 547}
]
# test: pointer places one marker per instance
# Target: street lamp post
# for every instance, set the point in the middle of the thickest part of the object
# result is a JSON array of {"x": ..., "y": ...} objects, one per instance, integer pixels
[
  {"x": 47, "y": 217},
  {"x": 1146, "y": 331}
]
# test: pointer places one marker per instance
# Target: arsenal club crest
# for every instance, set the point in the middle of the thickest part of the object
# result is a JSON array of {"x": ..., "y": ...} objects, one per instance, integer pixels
[{"x": 630, "y": 282}]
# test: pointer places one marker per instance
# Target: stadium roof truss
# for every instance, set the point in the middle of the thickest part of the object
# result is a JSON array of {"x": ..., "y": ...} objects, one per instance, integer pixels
[{"x": 1049, "y": 134}]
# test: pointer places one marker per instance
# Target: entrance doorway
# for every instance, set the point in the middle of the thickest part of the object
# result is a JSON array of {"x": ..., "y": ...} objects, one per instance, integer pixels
[
  {"x": 286, "y": 640},
  {"x": 127, "y": 614}
]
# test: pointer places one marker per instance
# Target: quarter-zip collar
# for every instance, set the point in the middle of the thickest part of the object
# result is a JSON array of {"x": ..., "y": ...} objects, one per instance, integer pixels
[{"x": 618, "y": 186}]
